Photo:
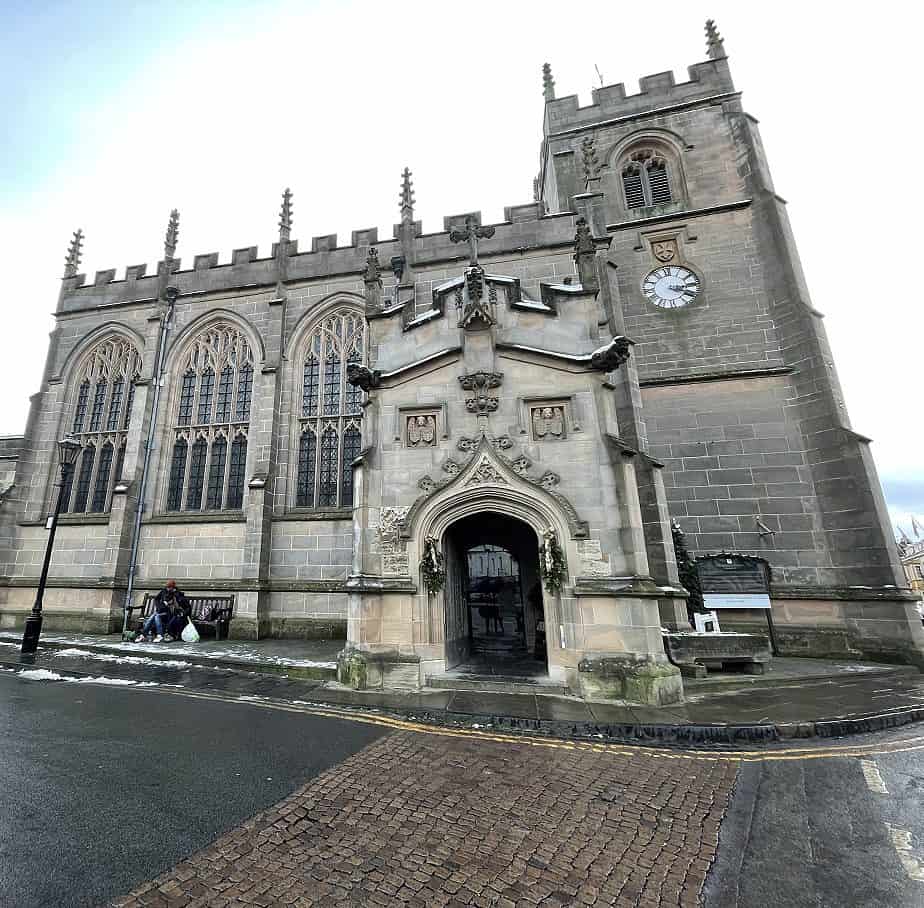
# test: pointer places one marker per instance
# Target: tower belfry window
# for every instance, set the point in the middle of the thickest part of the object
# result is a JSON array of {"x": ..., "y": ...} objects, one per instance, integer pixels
[
  {"x": 329, "y": 437},
  {"x": 212, "y": 413},
  {"x": 101, "y": 416},
  {"x": 646, "y": 180}
]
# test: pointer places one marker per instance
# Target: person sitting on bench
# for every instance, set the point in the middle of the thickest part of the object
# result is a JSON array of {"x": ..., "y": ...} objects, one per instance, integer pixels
[
  {"x": 165, "y": 602},
  {"x": 180, "y": 612}
]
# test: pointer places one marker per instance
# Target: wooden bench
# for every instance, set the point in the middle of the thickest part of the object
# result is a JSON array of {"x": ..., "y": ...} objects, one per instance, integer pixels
[{"x": 205, "y": 611}]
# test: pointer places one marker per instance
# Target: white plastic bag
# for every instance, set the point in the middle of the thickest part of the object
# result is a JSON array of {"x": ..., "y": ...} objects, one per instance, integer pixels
[{"x": 190, "y": 634}]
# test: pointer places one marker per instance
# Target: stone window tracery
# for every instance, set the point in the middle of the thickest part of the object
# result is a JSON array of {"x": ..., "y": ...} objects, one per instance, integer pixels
[
  {"x": 329, "y": 430},
  {"x": 647, "y": 179},
  {"x": 212, "y": 414},
  {"x": 100, "y": 418}
]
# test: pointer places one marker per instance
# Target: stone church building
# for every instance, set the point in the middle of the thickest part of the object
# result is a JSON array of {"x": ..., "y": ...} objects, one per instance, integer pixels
[{"x": 471, "y": 444}]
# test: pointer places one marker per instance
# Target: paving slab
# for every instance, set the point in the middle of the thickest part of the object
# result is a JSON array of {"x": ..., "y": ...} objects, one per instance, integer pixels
[{"x": 476, "y": 703}]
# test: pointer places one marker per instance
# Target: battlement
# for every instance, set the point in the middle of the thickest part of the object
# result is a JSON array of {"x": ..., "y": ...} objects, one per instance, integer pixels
[
  {"x": 658, "y": 91},
  {"x": 524, "y": 226}
]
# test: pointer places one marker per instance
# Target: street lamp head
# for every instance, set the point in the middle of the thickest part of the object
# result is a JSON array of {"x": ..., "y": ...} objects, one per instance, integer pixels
[{"x": 68, "y": 451}]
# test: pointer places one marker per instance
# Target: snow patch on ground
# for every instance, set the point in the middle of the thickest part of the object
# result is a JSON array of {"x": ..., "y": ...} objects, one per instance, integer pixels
[
  {"x": 124, "y": 660},
  {"x": 43, "y": 674},
  {"x": 113, "y": 682},
  {"x": 40, "y": 674}
]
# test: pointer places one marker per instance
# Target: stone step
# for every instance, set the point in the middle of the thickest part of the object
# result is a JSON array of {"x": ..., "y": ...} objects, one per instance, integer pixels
[{"x": 497, "y": 684}]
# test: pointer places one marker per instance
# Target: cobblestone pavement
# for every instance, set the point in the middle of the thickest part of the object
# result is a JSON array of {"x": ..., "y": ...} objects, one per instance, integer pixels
[{"x": 427, "y": 820}]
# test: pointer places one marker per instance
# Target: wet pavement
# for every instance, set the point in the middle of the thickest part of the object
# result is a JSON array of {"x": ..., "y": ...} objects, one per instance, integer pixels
[
  {"x": 269, "y": 655},
  {"x": 793, "y": 693}
]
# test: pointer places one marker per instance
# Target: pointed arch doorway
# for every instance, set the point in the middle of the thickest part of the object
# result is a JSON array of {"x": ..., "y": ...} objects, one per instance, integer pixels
[{"x": 495, "y": 620}]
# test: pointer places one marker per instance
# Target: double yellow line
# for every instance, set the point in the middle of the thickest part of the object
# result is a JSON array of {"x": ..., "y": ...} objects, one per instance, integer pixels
[{"x": 625, "y": 750}]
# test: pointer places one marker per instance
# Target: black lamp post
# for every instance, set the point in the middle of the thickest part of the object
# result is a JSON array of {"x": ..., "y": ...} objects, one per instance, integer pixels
[{"x": 68, "y": 452}]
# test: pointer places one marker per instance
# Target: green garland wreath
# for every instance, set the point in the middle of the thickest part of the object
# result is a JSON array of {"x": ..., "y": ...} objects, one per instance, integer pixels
[
  {"x": 431, "y": 566},
  {"x": 552, "y": 562}
]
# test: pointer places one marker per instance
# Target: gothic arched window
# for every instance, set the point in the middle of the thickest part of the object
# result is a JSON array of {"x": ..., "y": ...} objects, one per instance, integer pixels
[
  {"x": 212, "y": 415},
  {"x": 646, "y": 179},
  {"x": 329, "y": 438},
  {"x": 99, "y": 419}
]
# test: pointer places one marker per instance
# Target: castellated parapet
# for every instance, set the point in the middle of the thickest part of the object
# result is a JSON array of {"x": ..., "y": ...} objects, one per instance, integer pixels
[
  {"x": 709, "y": 79},
  {"x": 524, "y": 229}
]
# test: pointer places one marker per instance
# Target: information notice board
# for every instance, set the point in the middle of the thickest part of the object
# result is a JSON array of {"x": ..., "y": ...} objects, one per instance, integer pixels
[{"x": 736, "y": 581}]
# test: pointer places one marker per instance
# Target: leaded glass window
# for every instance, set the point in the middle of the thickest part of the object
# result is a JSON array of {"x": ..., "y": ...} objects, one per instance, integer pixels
[
  {"x": 236, "y": 472},
  {"x": 200, "y": 451},
  {"x": 115, "y": 405},
  {"x": 105, "y": 385},
  {"x": 329, "y": 438},
  {"x": 101, "y": 486},
  {"x": 327, "y": 485},
  {"x": 216, "y": 474},
  {"x": 187, "y": 395},
  {"x": 206, "y": 385},
  {"x": 225, "y": 392},
  {"x": 244, "y": 391},
  {"x": 84, "y": 476},
  {"x": 304, "y": 488},
  {"x": 212, "y": 406},
  {"x": 99, "y": 401},
  {"x": 312, "y": 374},
  {"x": 80, "y": 411},
  {"x": 177, "y": 474},
  {"x": 352, "y": 445}
]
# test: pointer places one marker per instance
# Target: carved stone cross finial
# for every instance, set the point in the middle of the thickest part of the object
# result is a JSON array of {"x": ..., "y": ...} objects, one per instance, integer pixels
[
  {"x": 548, "y": 83},
  {"x": 285, "y": 216},
  {"x": 173, "y": 233},
  {"x": 715, "y": 43},
  {"x": 407, "y": 197},
  {"x": 74, "y": 252},
  {"x": 471, "y": 234}
]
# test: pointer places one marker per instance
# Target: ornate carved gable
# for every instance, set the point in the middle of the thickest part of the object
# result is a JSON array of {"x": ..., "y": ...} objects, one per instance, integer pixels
[
  {"x": 486, "y": 472},
  {"x": 488, "y": 468}
]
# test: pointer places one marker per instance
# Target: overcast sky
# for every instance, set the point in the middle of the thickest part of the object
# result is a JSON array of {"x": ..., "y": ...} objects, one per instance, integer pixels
[{"x": 113, "y": 113}]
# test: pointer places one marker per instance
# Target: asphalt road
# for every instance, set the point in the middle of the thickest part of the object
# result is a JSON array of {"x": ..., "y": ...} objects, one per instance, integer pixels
[
  {"x": 102, "y": 788},
  {"x": 833, "y": 831}
]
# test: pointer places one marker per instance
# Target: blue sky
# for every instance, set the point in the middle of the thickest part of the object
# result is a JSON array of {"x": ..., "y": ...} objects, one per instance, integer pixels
[{"x": 113, "y": 113}]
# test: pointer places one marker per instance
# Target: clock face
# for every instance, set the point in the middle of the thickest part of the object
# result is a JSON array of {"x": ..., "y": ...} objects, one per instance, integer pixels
[{"x": 671, "y": 287}]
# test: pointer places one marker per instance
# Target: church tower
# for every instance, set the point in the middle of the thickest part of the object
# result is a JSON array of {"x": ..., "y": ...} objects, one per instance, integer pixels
[{"x": 739, "y": 396}]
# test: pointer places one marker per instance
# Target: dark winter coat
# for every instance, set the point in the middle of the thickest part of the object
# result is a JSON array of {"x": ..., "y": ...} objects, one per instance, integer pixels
[{"x": 164, "y": 606}]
